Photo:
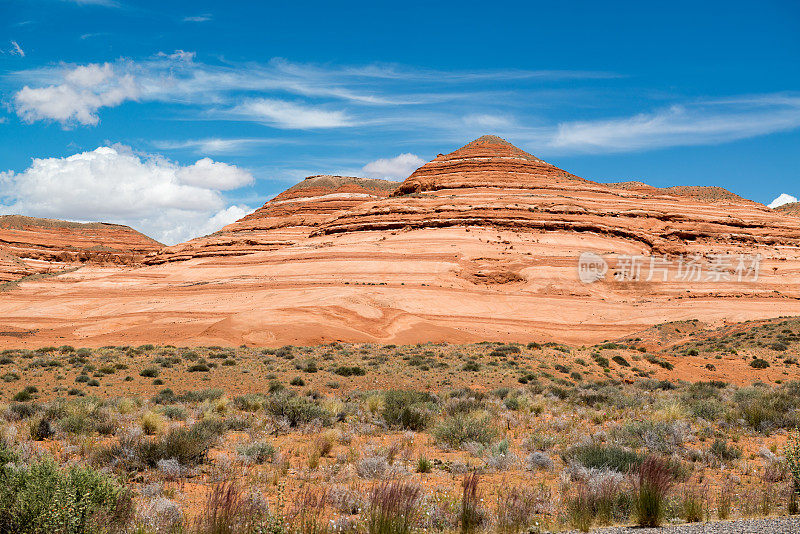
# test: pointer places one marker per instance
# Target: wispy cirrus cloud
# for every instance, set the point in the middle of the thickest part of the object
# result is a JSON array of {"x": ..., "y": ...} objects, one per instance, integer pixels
[
  {"x": 694, "y": 123},
  {"x": 292, "y": 115},
  {"x": 217, "y": 145},
  {"x": 102, "y": 3},
  {"x": 198, "y": 18}
]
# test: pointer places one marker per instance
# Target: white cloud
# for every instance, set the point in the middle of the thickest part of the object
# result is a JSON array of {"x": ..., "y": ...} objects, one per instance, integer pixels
[
  {"x": 290, "y": 115},
  {"x": 85, "y": 90},
  {"x": 217, "y": 145},
  {"x": 166, "y": 201},
  {"x": 16, "y": 50},
  {"x": 487, "y": 121},
  {"x": 211, "y": 174},
  {"x": 781, "y": 200},
  {"x": 197, "y": 18},
  {"x": 397, "y": 167},
  {"x": 683, "y": 125},
  {"x": 103, "y": 3},
  {"x": 223, "y": 218}
]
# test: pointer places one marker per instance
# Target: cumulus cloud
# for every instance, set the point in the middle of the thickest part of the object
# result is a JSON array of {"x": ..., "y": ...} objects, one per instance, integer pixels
[
  {"x": 292, "y": 115},
  {"x": 781, "y": 200},
  {"x": 163, "y": 199},
  {"x": 398, "y": 167},
  {"x": 85, "y": 90}
]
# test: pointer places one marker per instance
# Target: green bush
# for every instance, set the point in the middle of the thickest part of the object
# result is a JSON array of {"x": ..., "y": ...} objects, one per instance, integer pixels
[
  {"x": 597, "y": 456},
  {"x": 459, "y": 429},
  {"x": 619, "y": 360},
  {"x": 406, "y": 409},
  {"x": 43, "y": 498},
  {"x": 343, "y": 370},
  {"x": 150, "y": 372},
  {"x": 297, "y": 410},
  {"x": 759, "y": 363},
  {"x": 257, "y": 452}
]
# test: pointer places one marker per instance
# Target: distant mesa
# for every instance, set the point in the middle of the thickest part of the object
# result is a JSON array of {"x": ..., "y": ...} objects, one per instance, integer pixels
[{"x": 30, "y": 245}]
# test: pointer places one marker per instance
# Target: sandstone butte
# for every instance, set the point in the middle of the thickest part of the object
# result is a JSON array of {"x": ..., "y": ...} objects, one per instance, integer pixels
[
  {"x": 478, "y": 244},
  {"x": 31, "y": 246}
]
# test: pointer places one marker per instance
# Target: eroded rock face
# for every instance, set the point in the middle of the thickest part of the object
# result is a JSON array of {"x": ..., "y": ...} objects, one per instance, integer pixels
[
  {"x": 792, "y": 208},
  {"x": 29, "y": 245},
  {"x": 491, "y": 183},
  {"x": 480, "y": 244},
  {"x": 283, "y": 220}
]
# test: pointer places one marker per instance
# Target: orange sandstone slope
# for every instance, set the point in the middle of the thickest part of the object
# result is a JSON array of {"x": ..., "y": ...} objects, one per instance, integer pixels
[
  {"x": 29, "y": 245},
  {"x": 479, "y": 244},
  {"x": 283, "y": 220},
  {"x": 792, "y": 208}
]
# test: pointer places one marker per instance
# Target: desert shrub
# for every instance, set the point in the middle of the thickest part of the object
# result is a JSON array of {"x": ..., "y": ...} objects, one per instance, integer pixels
[
  {"x": 538, "y": 460},
  {"x": 792, "y": 453},
  {"x": 759, "y": 363},
  {"x": 693, "y": 503},
  {"x": 578, "y": 503},
  {"x": 344, "y": 370},
  {"x": 297, "y": 381},
  {"x": 651, "y": 486},
  {"x": 228, "y": 510},
  {"x": 250, "y": 402},
  {"x": 306, "y": 515},
  {"x": 515, "y": 509},
  {"x": 763, "y": 409},
  {"x": 173, "y": 412},
  {"x": 202, "y": 395},
  {"x": 25, "y": 394},
  {"x": 459, "y": 429},
  {"x": 152, "y": 423},
  {"x": 189, "y": 446},
  {"x": 393, "y": 508},
  {"x": 150, "y": 372},
  {"x": 424, "y": 465},
  {"x": 41, "y": 429},
  {"x": 597, "y": 456},
  {"x": 471, "y": 366},
  {"x": 87, "y": 500},
  {"x": 602, "y": 361},
  {"x": 258, "y": 452},
  {"x": 297, "y": 410},
  {"x": 656, "y": 436},
  {"x": 471, "y": 515},
  {"x": 619, "y": 360},
  {"x": 661, "y": 362},
  {"x": 406, "y": 409},
  {"x": 725, "y": 452}
]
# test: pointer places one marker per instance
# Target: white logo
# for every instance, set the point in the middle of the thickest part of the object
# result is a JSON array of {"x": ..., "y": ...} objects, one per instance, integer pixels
[{"x": 591, "y": 268}]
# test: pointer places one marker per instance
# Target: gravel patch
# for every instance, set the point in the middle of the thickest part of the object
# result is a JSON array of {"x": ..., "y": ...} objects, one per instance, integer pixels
[{"x": 765, "y": 525}]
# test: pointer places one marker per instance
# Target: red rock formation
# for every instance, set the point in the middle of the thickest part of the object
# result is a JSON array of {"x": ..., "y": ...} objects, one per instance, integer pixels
[
  {"x": 792, "y": 208},
  {"x": 480, "y": 244},
  {"x": 491, "y": 183},
  {"x": 488, "y": 161},
  {"x": 30, "y": 245},
  {"x": 283, "y": 220}
]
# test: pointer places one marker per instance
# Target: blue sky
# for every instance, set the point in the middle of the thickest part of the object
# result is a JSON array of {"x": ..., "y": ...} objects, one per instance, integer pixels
[{"x": 178, "y": 117}]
